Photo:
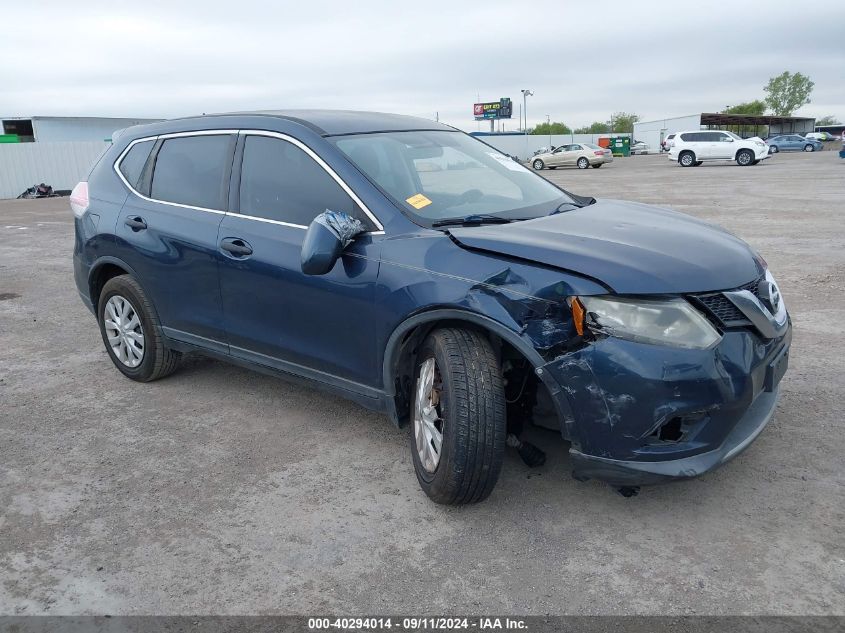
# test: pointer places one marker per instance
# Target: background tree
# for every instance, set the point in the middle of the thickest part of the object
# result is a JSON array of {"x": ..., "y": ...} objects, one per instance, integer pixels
[
  {"x": 555, "y": 127},
  {"x": 787, "y": 92},
  {"x": 596, "y": 127},
  {"x": 751, "y": 108},
  {"x": 755, "y": 107},
  {"x": 828, "y": 120},
  {"x": 623, "y": 122}
]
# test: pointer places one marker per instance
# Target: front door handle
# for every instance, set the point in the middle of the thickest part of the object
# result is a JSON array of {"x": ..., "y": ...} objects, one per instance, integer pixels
[
  {"x": 136, "y": 223},
  {"x": 236, "y": 247}
]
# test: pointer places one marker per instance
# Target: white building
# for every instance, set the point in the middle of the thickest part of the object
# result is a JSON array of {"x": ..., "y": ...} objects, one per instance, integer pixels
[
  {"x": 61, "y": 129},
  {"x": 653, "y": 132}
]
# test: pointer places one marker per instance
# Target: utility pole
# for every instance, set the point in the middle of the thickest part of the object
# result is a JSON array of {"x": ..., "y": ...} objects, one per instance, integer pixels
[{"x": 526, "y": 93}]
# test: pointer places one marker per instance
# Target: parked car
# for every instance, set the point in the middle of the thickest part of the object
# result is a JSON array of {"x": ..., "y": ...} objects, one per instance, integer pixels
[
  {"x": 667, "y": 142},
  {"x": 793, "y": 143},
  {"x": 465, "y": 303},
  {"x": 581, "y": 155},
  {"x": 640, "y": 147},
  {"x": 820, "y": 136},
  {"x": 692, "y": 148}
]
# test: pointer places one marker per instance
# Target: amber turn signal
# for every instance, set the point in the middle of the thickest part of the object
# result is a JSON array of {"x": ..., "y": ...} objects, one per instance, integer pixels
[{"x": 578, "y": 313}]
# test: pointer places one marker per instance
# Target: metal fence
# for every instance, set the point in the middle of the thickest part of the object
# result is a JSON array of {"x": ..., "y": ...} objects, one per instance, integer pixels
[{"x": 60, "y": 165}]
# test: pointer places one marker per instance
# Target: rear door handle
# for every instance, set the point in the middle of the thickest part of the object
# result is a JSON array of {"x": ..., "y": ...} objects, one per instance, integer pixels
[
  {"x": 136, "y": 223},
  {"x": 236, "y": 247}
]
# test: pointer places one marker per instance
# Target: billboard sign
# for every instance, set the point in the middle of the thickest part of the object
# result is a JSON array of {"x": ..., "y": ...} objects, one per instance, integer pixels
[{"x": 501, "y": 109}]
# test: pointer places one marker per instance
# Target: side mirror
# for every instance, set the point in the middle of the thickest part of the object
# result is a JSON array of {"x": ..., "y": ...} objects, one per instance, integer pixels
[{"x": 327, "y": 235}]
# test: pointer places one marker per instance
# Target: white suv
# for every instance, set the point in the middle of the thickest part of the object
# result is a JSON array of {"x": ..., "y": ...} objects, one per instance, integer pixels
[{"x": 692, "y": 148}]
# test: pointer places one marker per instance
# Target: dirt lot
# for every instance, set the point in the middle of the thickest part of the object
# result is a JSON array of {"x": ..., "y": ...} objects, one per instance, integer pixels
[{"x": 219, "y": 490}]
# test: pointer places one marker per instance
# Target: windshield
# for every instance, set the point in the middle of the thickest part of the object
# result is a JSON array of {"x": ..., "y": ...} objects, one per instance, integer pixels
[
  {"x": 734, "y": 136},
  {"x": 437, "y": 175}
]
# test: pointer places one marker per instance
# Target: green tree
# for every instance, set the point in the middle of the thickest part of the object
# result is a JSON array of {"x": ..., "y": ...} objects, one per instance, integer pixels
[
  {"x": 623, "y": 122},
  {"x": 596, "y": 127},
  {"x": 751, "y": 108},
  {"x": 555, "y": 127},
  {"x": 755, "y": 107},
  {"x": 787, "y": 92},
  {"x": 828, "y": 120}
]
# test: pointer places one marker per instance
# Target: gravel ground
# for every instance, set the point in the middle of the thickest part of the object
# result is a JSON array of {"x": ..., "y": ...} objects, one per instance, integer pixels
[{"x": 219, "y": 490}]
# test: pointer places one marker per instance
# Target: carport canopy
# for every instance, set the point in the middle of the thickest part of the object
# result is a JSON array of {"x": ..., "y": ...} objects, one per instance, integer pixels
[{"x": 776, "y": 124}]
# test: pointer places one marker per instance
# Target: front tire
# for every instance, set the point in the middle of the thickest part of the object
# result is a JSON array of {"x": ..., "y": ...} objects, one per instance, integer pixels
[
  {"x": 744, "y": 157},
  {"x": 458, "y": 425},
  {"x": 582, "y": 163},
  {"x": 773, "y": 149},
  {"x": 131, "y": 331},
  {"x": 537, "y": 164},
  {"x": 686, "y": 159}
]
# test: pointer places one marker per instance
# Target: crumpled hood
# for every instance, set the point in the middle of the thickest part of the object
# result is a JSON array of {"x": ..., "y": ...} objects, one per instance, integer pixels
[{"x": 632, "y": 248}]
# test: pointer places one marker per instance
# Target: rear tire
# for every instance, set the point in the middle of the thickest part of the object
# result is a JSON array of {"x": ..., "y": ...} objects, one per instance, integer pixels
[
  {"x": 582, "y": 163},
  {"x": 133, "y": 339},
  {"x": 744, "y": 157},
  {"x": 698, "y": 163},
  {"x": 809, "y": 148},
  {"x": 537, "y": 164},
  {"x": 686, "y": 159},
  {"x": 597, "y": 165},
  {"x": 550, "y": 167},
  {"x": 465, "y": 405}
]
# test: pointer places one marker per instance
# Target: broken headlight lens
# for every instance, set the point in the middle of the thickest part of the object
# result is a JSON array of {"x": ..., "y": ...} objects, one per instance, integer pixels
[{"x": 661, "y": 322}]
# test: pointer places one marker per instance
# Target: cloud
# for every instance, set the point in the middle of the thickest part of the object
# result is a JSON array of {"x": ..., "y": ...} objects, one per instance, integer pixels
[{"x": 583, "y": 61}]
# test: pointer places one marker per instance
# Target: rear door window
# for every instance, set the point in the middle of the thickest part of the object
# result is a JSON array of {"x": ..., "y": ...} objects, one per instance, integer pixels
[
  {"x": 191, "y": 170},
  {"x": 133, "y": 163}
]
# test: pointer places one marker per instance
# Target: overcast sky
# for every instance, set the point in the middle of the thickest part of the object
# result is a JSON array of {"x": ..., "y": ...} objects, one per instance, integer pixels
[{"x": 583, "y": 60}]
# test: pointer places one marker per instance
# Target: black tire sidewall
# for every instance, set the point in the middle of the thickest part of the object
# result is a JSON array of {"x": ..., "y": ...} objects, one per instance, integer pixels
[{"x": 121, "y": 286}]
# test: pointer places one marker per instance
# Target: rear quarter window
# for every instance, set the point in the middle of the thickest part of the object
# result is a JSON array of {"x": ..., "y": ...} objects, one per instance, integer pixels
[{"x": 133, "y": 162}]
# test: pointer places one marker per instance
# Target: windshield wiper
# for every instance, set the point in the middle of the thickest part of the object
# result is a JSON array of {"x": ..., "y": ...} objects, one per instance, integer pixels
[{"x": 472, "y": 220}]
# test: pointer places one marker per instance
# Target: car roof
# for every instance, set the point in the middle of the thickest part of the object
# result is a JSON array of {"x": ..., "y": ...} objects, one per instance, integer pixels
[{"x": 340, "y": 122}]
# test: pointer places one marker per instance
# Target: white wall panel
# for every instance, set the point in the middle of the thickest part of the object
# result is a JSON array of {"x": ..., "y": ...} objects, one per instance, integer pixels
[{"x": 60, "y": 165}]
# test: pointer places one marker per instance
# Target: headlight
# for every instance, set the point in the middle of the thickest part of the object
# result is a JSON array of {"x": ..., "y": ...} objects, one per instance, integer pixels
[{"x": 662, "y": 322}]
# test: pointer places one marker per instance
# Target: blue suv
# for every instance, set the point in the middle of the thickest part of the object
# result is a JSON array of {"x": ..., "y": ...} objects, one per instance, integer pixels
[{"x": 417, "y": 271}]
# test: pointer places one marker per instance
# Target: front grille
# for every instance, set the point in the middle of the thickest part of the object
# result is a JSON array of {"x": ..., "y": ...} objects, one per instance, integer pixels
[{"x": 721, "y": 310}]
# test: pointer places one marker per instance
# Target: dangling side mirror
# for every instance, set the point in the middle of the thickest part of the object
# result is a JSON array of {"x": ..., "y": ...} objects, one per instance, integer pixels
[{"x": 327, "y": 235}]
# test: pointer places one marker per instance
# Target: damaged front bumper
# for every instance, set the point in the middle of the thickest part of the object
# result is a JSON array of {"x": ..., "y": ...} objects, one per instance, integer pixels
[{"x": 640, "y": 414}]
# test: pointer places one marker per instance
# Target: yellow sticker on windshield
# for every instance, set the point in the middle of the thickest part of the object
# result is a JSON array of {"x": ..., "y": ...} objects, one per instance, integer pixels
[{"x": 418, "y": 201}]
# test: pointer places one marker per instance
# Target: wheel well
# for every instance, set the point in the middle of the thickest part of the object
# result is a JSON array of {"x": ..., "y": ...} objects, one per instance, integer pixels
[
  {"x": 98, "y": 279},
  {"x": 743, "y": 149},
  {"x": 522, "y": 384},
  {"x": 687, "y": 151}
]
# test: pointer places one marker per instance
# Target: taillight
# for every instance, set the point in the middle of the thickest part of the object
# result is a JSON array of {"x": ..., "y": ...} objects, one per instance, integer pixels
[
  {"x": 79, "y": 199},
  {"x": 599, "y": 152}
]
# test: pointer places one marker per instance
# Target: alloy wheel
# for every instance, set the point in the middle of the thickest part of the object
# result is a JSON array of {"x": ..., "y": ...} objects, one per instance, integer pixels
[
  {"x": 428, "y": 423},
  {"x": 124, "y": 331}
]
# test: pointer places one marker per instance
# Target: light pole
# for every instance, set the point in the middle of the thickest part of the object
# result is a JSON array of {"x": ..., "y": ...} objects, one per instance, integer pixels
[{"x": 526, "y": 93}]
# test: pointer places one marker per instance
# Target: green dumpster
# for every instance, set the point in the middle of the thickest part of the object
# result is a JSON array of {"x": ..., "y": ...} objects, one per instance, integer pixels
[
  {"x": 9, "y": 138},
  {"x": 620, "y": 145}
]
